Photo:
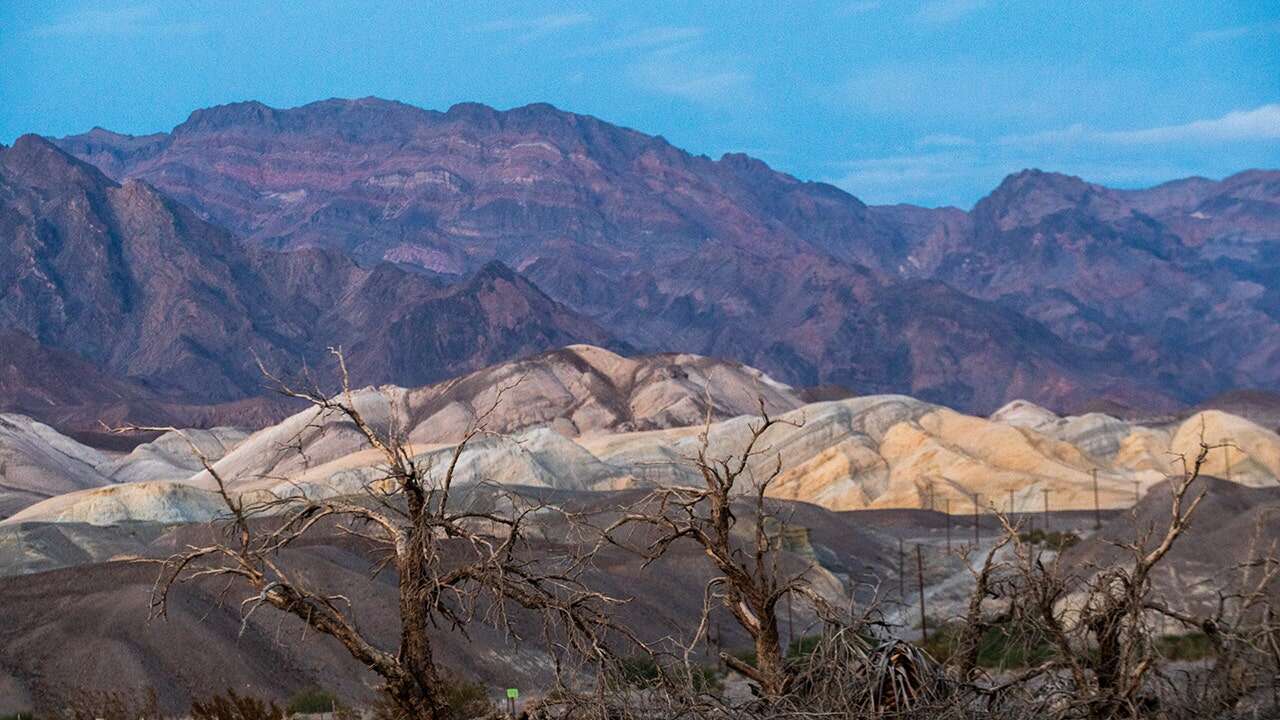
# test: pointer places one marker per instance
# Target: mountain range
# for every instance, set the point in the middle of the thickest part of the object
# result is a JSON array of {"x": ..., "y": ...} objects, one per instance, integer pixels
[{"x": 429, "y": 244}]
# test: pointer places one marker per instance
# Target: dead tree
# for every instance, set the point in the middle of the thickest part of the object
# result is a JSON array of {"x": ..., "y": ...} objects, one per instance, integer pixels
[
  {"x": 1242, "y": 630},
  {"x": 456, "y": 562},
  {"x": 1096, "y": 626},
  {"x": 748, "y": 583}
]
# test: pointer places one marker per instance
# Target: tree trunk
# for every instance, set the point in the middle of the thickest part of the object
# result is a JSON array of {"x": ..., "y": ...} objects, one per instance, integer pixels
[
  {"x": 418, "y": 694},
  {"x": 1106, "y": 629},
  {"x": 771, "y": 659}
]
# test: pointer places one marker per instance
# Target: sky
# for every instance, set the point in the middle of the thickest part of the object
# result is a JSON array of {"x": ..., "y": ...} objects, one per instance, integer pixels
[{"x": 924, "y": 101}]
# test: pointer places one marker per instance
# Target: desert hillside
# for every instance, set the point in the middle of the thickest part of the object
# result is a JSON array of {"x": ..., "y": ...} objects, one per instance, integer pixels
[{"x": 583, "y": 418}]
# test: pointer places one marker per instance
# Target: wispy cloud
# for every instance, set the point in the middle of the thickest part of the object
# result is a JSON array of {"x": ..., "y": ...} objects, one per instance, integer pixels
[
  {"x": 530, "y": 28},
  {"x": 858, "y": 8},
  {"x": 973, "y": 90},
  {"x": 651, "y": 38},
  {"x": 886, "y": 179},
  {"x": 1261, "y": 123},
  {"x": 945, "y": 11},
  {"x": 695, "y": 79},
  {"x": 945, "y": 140},
  {"x": 1228, "y": 34},
  {"x": 916, "y": 171},
  {"x": 672, "y": 60},
  {"x": 132, "y": 20},
  {"x": 930, "y": 178}
]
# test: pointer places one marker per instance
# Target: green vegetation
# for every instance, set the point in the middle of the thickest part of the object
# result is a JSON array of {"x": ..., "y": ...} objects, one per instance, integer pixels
[
  {"x": 312, "y": 702},
  {"x": 1007, "y": 648},
  {"x": 1190, "y": 647},
  {"x": 803, "y": 647},
  {"x": 747, "y": 656},
  {"x": 233, "y": 706},
  {"x": 799, "y": 648},
  {"x": 1000, "y": 648},
  {"x": 639, "y": 670},
  {"x": 465, "y": 699},
  {"x": 1053, "y": 540},
  {"x": 643, "y": 671}
]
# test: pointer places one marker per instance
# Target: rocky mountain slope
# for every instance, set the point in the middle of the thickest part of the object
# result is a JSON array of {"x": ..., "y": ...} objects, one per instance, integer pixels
[
  {"x": 64, "y": 390},
  {"x": 1172, "y": 281},
  {"x": 144, "y": 290},
  {"x": 1260, "y": 406},
  {"x": 1052, "y": 289}
]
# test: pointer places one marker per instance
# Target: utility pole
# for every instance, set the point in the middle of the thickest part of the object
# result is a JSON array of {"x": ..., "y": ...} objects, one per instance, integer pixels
[
  {"x": 1010, "y": 501},
  {"x": 1227, "y": 450},
  {"x": 1097, "y": 510},
  {"x": 1136, "y": 497},
  {"x": 1045, "y": 492},
  {"x": 947, "y": 502},
  {"x": 901, "y": 570},
  {"x": 924, "y": 619},
  {"x": 977, "y": 533},
  {"x": 791, "y": 627}
]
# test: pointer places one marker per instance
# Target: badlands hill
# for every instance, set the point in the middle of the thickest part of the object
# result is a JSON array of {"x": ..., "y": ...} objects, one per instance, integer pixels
[
  {"x": 578, "y": 389},
  {"x": 38, "y": 463},
  {"x": 583, "y": 418},
  {"x": 1233, "y": 529}
]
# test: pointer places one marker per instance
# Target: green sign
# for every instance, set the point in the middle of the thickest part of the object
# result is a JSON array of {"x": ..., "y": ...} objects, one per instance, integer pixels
[{"x": 512, "y": 693}]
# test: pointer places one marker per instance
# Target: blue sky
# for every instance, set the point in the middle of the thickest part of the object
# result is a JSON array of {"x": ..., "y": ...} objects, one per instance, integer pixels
[{"x": 927, "y": 101}]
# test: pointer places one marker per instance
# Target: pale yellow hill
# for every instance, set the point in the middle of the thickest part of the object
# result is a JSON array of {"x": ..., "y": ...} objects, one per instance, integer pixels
[{"x": 1254, "y": 460}]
